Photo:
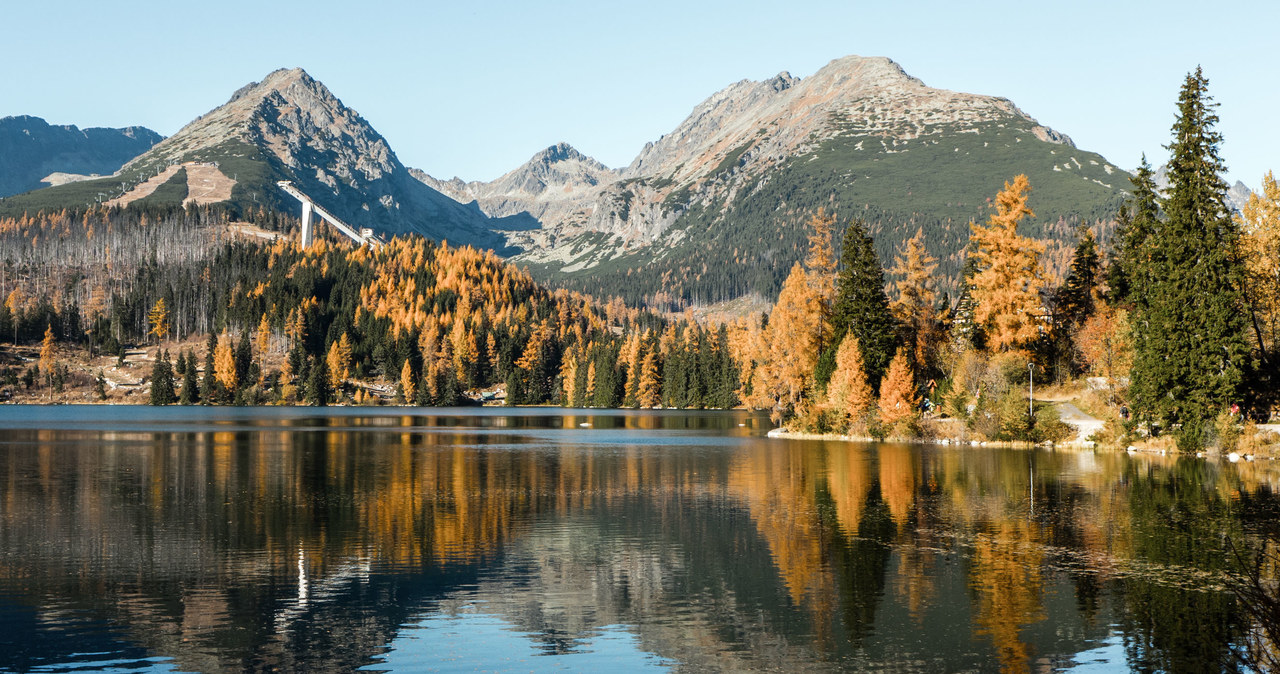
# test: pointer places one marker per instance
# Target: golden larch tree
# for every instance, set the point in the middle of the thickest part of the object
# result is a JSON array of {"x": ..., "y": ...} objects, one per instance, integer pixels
[
  {"x": 158, "y": 319},
  {"x": 224, "y": 363},
  {"x": 793, "y": 341},
  {"x": 1261, "y": 249},
  {"x": 649, "y": 390},
  {"x": 849, "y": 394},
  {"x": 916, "y": 306},
  {"x": 569, "y": 377},
  {"x": 898, "y": 399},
  {"x": 820, "y": 263},
  {"x": 48, "y": 354},
  {"x": 408, "y": 388},
  {"x": 1007, "y": 286},
  {"x": 264, "y": 335},
  {"x": 591, "y": 384}
]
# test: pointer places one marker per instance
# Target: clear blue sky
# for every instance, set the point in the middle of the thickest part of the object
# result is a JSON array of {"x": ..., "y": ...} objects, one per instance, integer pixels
[{"x": 474, "y": 89}]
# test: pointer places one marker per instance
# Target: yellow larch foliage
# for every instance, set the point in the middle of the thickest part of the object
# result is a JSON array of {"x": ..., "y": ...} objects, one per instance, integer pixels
[
  {"x": 569, "y": 376},
  {"x": 264, "y": 335},
  {"x": 339, "y": 359},
  {"x": 1007, "y": 285},
  {"x": 630, "y": 360},
  {"x": 591, "y": 382},
  {"x": 1105, "y": 342},
  {"x": 649, "y": 390},
  {"x": 224, "y": 363},
  {"x": 848, "y": 393},
  {"x": 465, "y": 349},
  {"x": 916, "y": 306},
  {"x": 533, "y": 350},
  {"x": 898, "y": 399},
  {"x": 158, "y": 319},
  {"x": 793, "y": 340},
  {"x": 1261, "y": 247},
  {"x": 820, "y": 263},
  {"x": 407, "y": 386},
  {"x": 48, "y": 351}
]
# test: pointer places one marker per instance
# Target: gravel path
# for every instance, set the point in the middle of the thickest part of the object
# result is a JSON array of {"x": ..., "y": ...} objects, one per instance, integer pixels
[{"x": 1084, "y": 424}]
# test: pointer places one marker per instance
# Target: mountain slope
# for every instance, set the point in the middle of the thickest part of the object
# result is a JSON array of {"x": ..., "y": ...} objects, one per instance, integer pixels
[
  {"x": 289, "y": 127},
  {"x": 715, "y": 209},
  {"x": 552, "y": 186},
  {"x": 32, "y": 149}
]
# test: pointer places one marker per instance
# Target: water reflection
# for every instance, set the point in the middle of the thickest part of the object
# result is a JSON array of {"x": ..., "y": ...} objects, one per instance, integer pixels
[{"x": 209, "y": 540}]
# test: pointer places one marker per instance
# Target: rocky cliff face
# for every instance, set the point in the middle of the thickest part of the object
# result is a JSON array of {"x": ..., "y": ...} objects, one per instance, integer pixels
[
  {"x": 753, "y": 161},
  {"x": 291, "y": 127},
  {"x": 1237, "y": 194},
  {"x": 558, "y": 184},
  {"x": 31, "y": 150}
]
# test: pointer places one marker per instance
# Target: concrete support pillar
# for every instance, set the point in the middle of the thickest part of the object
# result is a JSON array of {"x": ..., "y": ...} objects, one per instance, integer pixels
[{"x": 306, "y": 224}]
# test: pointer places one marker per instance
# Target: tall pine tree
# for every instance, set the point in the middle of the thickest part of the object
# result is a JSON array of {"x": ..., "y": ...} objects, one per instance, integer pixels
[
  {"x": 1190, "y": 361},
  {"x": 861, "y": 306},
  {"x": 1128, "y": 268}
]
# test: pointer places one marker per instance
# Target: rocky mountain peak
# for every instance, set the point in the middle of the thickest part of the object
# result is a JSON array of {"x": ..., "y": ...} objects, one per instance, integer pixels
[
  {"x": 557, "y": 153},
  {"x": 783, "y": 81},
  {"x": 752, "y": 121}
]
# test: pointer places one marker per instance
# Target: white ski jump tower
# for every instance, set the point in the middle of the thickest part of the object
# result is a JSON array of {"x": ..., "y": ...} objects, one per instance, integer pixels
[{"x": 361, "y": 237}]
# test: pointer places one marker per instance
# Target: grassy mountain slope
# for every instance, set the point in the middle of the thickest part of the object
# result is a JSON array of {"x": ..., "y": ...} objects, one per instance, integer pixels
[{"x": 738, "y": 232}]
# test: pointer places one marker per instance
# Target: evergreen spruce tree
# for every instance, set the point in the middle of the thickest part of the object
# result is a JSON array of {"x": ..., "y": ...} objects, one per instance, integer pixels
[
  {"x": 1189, "y": 363},
  {"x": 190, "y": 394},
  {"x": 319, "y": 387},
  {"x": 1137, "y": 220},
  {"x": 100, "y": 386},
  {"x": 965, "y": 329},
  {"x": 861, "y": 307},
  {"x": 209, "y": 386},
  {"x": 162, "y": 381},
  {"x": 244, "y": 361},
  {"x": 1075, "y": 297}
]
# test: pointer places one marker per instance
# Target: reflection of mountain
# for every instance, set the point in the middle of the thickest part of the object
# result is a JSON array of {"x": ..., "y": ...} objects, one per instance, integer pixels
[{"x": 309, "y": 544}]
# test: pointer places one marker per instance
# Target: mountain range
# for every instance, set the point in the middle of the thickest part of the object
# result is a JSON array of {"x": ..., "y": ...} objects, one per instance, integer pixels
[
  {"x": 714, "y": 210},
  {"x": 34, "y": 153},
  {"x": 286, "y": 127}
]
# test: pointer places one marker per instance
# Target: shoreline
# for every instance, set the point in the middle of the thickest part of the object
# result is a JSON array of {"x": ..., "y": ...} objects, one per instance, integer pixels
[{"x": 1077, "y": 445}]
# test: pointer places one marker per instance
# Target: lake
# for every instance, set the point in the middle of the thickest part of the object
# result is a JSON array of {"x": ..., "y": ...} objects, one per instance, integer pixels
[{"x": 413, "y": 539}]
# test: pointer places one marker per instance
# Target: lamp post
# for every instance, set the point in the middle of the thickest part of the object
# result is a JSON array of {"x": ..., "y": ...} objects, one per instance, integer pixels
[{"x": 1031, "y": 394}]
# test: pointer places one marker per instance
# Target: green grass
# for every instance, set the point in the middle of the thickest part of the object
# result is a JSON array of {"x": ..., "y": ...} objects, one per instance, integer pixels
[{"x": 171, "y": 193}]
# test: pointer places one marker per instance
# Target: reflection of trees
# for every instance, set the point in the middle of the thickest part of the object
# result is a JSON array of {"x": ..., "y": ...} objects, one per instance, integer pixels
[
  {"x": 1181, "y": 626},
  {"x": 1005, "y": 576},
  {"x": 245, "y": 549}
]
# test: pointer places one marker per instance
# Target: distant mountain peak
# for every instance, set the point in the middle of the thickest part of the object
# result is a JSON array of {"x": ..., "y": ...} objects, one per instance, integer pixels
[
  {"x": 32, "y": 149},
  {"x": 557, "y": 153},
  {"x": 783, "y": 81}
]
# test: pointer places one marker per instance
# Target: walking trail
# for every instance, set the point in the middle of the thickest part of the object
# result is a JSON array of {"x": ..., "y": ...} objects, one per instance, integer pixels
[{"x": 1084, "y": 424}]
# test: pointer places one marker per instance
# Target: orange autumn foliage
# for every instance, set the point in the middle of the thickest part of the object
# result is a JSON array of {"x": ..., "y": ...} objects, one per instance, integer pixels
[
  {"x": 898, "y": 399},
  {"x": 1007, "y": 285}
]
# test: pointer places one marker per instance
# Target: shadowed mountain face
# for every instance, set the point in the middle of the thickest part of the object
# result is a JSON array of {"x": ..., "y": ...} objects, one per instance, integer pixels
[
  {"x": 716, "y": 208},
  {"x": 32, "y": 149},
  {"x": 291, "y": 127}
]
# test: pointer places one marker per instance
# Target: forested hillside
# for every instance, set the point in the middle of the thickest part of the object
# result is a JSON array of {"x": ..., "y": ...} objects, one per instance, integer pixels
[{"x": 431, "y": 321}]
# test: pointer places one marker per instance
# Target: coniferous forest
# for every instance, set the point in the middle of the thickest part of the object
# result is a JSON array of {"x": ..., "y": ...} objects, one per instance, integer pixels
[{"x": 1169, "y": 312}]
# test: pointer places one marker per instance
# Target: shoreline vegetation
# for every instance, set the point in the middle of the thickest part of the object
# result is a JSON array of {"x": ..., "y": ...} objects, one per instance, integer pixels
[{"x": 1163, "y": 337}]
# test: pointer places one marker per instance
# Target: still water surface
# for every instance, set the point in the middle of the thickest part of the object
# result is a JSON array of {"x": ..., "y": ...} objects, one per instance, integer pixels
[{"x": 533, "y": 540}]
